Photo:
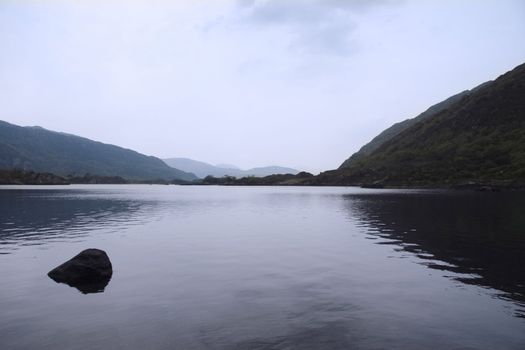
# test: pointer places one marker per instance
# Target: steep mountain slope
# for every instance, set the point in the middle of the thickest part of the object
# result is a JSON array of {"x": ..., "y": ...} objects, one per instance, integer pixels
[
  {"x": 480, "y": 137},
  {"x": 397, "y": 128},
  {"x": 41, "y": 150},
  {"x": 202, "y": 169}
]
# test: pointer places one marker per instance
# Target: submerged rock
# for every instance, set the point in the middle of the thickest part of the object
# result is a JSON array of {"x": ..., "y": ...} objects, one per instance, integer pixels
[{"x": 90, "y": 271}]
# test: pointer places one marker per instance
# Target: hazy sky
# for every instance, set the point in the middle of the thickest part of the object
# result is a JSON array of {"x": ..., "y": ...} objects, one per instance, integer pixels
[{"x": 300, "y": 83}]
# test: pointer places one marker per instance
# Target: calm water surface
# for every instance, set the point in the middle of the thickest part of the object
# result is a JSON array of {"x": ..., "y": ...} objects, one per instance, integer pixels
[{"x": 265, "y": 268}]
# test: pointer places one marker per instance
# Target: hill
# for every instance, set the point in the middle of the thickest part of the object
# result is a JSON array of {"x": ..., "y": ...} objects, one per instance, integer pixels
[
  {"x": 397, "y": 128},
  {"x": 476, "y": 136},
  {"x": 202, "y": 169},
  {"x": 45, "y": 151}
]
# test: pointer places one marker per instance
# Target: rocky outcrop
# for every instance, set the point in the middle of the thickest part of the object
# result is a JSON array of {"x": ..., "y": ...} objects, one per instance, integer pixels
[{"x": 90, "y": 271}]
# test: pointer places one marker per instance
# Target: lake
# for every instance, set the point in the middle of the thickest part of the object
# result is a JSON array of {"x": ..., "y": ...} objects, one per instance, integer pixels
[{"x": 198, "y": 267}]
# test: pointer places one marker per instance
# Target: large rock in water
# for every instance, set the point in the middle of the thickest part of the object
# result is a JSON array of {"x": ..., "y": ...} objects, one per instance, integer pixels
[{"x": 89, "y": 271}]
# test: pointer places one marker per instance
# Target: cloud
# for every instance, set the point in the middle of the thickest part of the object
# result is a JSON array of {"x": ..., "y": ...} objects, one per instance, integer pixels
[
  {"x": 314, "y": 26},
  {"x": 305, "y": 11}
]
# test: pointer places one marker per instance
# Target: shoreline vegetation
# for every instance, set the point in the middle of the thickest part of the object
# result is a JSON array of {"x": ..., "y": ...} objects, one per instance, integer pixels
[
  {"x": 28, "y": 177},
  {"x": 22, "y": 177}
]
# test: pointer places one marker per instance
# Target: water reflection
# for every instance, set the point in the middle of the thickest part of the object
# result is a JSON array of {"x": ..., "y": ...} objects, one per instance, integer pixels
[
  {"x": 88, "y": 287},
  {"x": 265, "y": 268},
  {"x": 478, "y": 238},
  {"x": 33, "y": 217}
]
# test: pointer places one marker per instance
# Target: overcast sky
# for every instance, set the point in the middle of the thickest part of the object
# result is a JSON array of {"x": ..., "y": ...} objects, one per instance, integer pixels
[{"x": 300, "y": 83}]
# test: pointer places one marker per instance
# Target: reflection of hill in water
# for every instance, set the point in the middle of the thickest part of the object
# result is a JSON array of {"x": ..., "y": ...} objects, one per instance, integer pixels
[
  {"x": 479, "y": 234},
  {"x": 32, "y": 217}
]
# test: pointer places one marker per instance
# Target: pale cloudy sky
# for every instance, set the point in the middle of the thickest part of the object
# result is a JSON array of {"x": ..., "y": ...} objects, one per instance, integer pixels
[{"x": 300, "y": 83}]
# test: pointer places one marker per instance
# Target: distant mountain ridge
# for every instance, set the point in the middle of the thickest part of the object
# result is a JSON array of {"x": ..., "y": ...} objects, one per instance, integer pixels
[
  {"x": 477, "y": 136},
  {"x": 41, "y": 150},
  {"x": 202, "y": 169}
]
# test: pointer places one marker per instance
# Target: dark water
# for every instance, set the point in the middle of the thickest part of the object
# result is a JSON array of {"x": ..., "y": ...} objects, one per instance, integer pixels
[{"x": 265, "y": 268}]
